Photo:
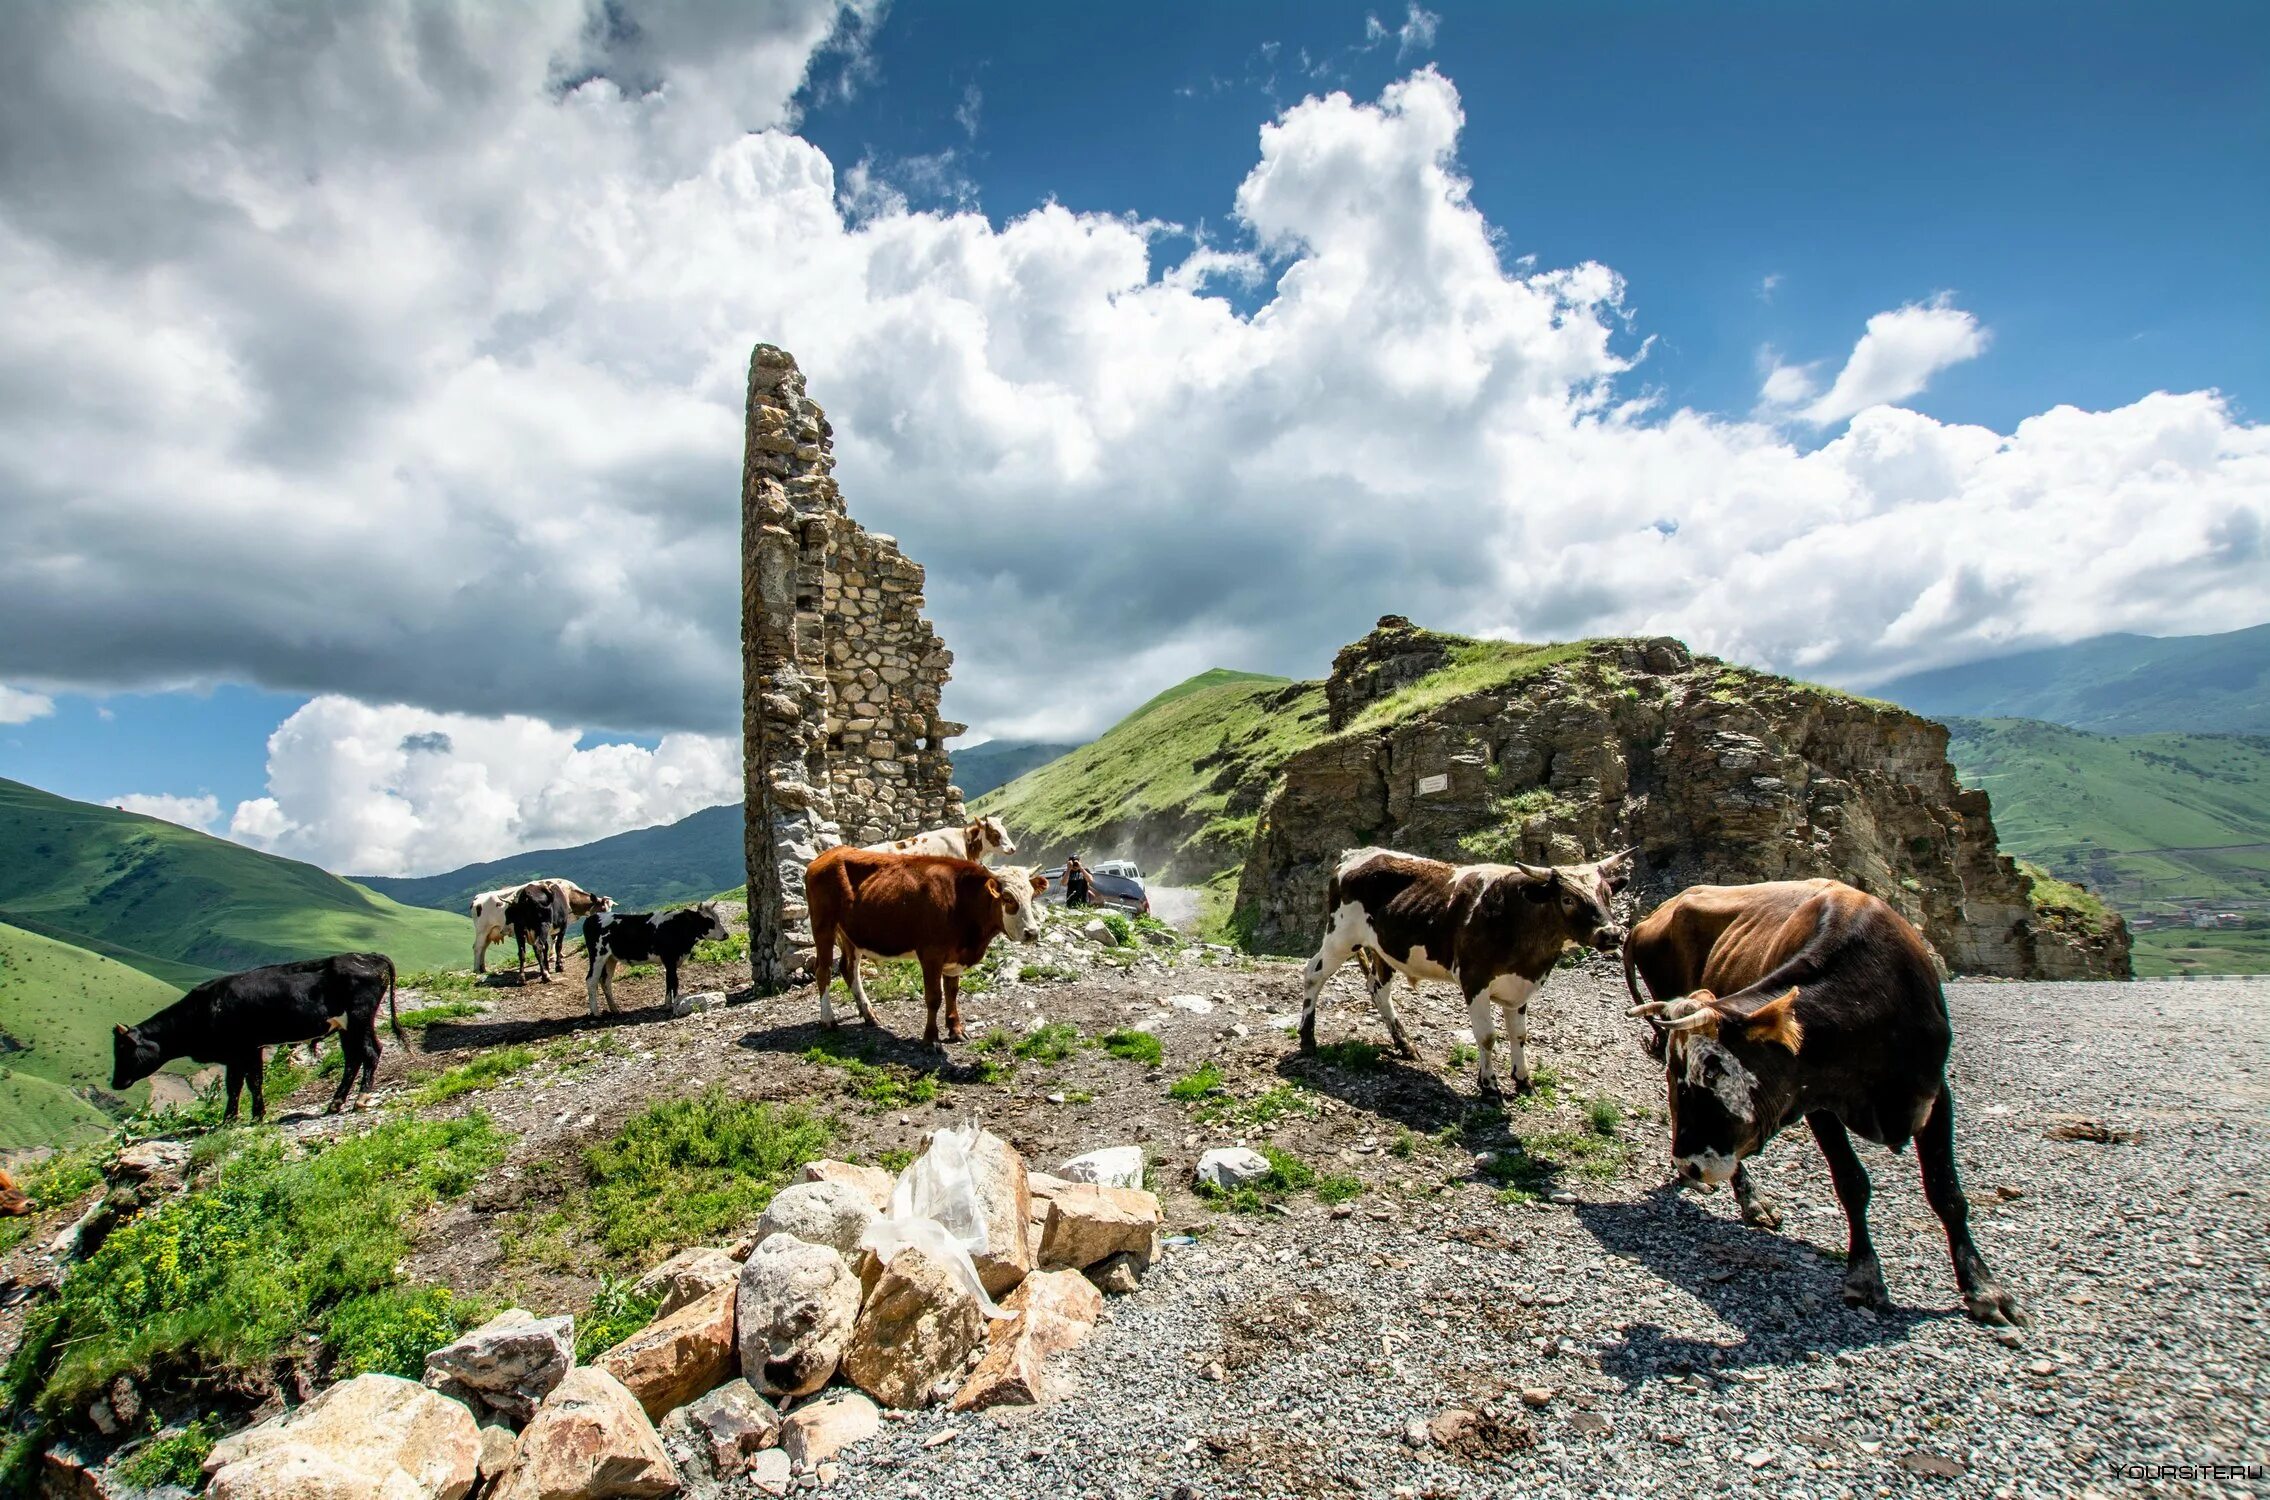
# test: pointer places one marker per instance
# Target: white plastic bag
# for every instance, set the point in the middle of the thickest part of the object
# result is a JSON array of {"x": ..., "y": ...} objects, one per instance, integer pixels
[{"x": 934, "y": 1209}]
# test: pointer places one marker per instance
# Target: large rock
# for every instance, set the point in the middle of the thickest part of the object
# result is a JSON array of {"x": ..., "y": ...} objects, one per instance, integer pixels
[
  {"x": 674, "y": 1359},
  {"x": 1087, "y": 1224},
  {"x": 825, "y": 1428},
  {"x": 296, "y": 1472},
  {"x": 718, "y": 1436},
  {"x": 507, "y": 1366},
  {"x": 588, "y": 1441},
  {"x": 794, "y": 1309},
  {"x": 873, "y": 1181},
  {"x": 688, "y": 1276},
  {"x": 919, "y": 1327},
  {"x": 375, "y": 1428},
  {"x": 834, "y": 1214},
  {"x": 1054, "y": 1311},
  {"x": 1004, "y": 1197},
  {"x": 1113, "y": 1166},
  {"x": 1227, "y": 1167}
]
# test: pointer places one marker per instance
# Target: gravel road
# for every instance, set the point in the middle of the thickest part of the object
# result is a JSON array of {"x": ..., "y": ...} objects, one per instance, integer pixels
[{"x": 1635, "y": 1340}]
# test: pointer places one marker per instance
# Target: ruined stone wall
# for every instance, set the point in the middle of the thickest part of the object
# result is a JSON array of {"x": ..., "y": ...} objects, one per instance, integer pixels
[{"x": 841, "y": 738}]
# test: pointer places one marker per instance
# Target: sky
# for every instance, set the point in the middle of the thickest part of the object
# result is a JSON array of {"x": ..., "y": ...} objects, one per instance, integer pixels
[{"x": 371, "y": 375}]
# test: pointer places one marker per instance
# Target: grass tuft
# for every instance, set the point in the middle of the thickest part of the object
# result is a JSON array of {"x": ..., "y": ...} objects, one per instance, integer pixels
[
  {"x": 487, "y": 1069},
  {"x": 1130, "y": 1045}
]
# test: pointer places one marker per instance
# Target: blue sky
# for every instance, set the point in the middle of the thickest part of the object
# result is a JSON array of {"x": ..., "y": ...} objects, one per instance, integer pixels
[{"x": 433, "y": 419}]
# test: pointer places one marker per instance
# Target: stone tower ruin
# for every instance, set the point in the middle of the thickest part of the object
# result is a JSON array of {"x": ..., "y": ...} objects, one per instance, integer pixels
[{"x": 840, "y": 673}]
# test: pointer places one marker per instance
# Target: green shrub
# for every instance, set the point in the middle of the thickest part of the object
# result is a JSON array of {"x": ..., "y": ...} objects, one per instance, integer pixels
[
  {"x": 1122, "y": 930},
  {"x": 1265, "y": 1108},
  {"x": 1404, "y": 1146},
  {"x": 176, "y": 1458},
  {"x": 1134, "y": 1046},
  {"x": 1205, "y": 1081},
  {"x": 480, "y": 1073},
  {"x": 1339, "y": 1188},
  {"x": 730, "y": 949},
  {"x": 880, "y": 1086},
  {"x": 1032, "y": 973},
  {"x": 1355, "y": 1057},
  {"x": 684, "y": 1170},
  {"x": 1462, "y": 1055},
  {"x": 614, "y": 1315},
  {"x": 60, "y": 1179},
  {"x": 448, "y": 1010},
  {"x": 228, "y": 1277},
  {"x": 1603, "y": 1114},
  {"x": 441, "y": 981},
  {"x": 392, "y": 1330},
  {"x": 1049, "y": 1044}
]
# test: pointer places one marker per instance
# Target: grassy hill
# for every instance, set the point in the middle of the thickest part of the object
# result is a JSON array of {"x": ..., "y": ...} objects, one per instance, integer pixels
[
  {"x": 688, "y": 860},
  {"x": 2158, "y": 824},
  {"x": 1175, "y": 784},
  {"x": 981, "y": 768},
  {"x": 118, "y": 883},
  {"x": 57, "y": 1005},
  {"x": 2111, "y": 684}
]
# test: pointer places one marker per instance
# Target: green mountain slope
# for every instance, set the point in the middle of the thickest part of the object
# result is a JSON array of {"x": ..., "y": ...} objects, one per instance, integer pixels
[
  {"x": 1175, "y": 784},
  {"x": 981, "y": 768},
  {"x": 688, "y": 860},
  {"x": 57, "y": 1005},
  {"x": 2112, "y": 684},
  {"x": 2159, "y": 824},
  {"x": 101, "y": 878}
]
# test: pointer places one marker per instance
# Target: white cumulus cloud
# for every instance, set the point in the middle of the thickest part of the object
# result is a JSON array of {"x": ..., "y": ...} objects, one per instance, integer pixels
[
  {"x": 199, "y": 812},
  {"x": 390, "y": 790},
  {"x": 433, "y": 396},
  {"x": 1895, "y": 358},
  {"x": 18, "y": 706}
]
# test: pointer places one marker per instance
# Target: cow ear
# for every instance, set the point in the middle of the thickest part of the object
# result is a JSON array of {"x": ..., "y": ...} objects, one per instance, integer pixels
[
  {"x": 1040, "y": 883},
  {"x": 1775, "y": 1022},
  {"x": 993, "y": 887},
  {"x": 123, "y": 1030}
]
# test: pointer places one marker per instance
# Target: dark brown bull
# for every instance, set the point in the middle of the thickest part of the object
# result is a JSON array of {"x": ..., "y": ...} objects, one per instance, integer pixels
[
  {"x": 944, "y": 912},
  {"x": 1806, "y": 999}
]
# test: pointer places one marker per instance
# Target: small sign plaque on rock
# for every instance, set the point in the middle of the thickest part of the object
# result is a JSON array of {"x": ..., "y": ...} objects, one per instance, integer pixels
[{"x": 1429, "y": 785}]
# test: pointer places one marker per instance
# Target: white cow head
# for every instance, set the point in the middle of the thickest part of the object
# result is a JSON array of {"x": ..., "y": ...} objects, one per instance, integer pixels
[{"x": 1018, "y": 891}]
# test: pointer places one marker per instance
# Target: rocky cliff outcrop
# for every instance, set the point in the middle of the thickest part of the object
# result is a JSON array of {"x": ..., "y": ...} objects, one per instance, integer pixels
[{"x": 1718, "y": 774}]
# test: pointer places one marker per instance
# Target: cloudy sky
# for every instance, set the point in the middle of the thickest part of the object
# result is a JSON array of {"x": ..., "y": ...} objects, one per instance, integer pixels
[{"x": 370, "y": 374}]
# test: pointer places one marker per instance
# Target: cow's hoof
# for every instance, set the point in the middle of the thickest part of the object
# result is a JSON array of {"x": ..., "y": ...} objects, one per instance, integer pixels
[
  {"x": 1759, "y": 1214},
  {"x": 1864, "y": 1287},
  {"x": 1523, "y": 1084},
  {"x": 1408, "y": 1052},
  {"x": 1988, "y": 1303},
  {"x": 1489, "y": 1090}
]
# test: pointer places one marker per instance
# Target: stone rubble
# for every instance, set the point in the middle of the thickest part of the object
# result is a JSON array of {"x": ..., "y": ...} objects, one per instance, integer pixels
[
  {"x": 590, "y": 1440},
  {"x": 506, "y": 1367},
  {"x": 380, "y": 1432}
]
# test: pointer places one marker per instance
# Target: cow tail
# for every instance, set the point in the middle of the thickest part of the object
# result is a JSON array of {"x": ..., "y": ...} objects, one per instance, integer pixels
[
  {"x": 1631, "y": 980},
  {"x": 393, "y": 1017}
]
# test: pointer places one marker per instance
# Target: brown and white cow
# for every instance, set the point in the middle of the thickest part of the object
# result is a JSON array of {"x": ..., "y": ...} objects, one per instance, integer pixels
[
  {"x": 944, "y": 912},
  {"x": 1495, "y": 931},
  {"x": 490, "y": 926},
  {"x": 1806, "y": 998},
  {"x": 14, "y": 1202},
  {"x": 980, "y": 839}
]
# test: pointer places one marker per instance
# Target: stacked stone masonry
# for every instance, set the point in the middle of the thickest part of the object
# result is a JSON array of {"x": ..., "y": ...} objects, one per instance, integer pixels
[{"x": 841, "y": 674}]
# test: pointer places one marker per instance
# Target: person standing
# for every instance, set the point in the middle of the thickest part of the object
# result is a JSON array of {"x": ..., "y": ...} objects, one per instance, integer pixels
[{"x": 1079, "y": 890}]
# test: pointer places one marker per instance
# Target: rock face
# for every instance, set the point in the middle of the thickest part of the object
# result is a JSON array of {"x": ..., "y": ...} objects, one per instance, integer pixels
[
  {"x": 1087, "y": 1225},
  {"x": 1055, "y": 1310},
  {"x": 589, "y": 1440},
  {"x": 718, "y": 1436},
  {"x": 795, "y": 1307},
  {"x": 872, "y": 1181},
  {"x": 842, "y": 740},
  {"x": 825, "y": 1428},
  {"x": 1227, "y": 1167},
  {"x": 372, "y": 1435},
  {"x": 688, "y": 1276},
  {"x": 674, "y": 1359},
  {"x": 919, "y": 1327},
  {"x": 505, "y": 1367},
  {"x": 1718, "y": 774},
  {"x": 1113, "y": 1166},
  {"x": 834, "y": 1214},
  {"x": 1004, "y": 1194}
]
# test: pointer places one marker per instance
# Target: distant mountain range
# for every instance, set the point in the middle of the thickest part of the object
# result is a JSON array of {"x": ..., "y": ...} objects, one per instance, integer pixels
[
  {"x": 693, "y": 858},
  {"x": 981, "y": 768},
  {"x": 2110, "y": 684}
]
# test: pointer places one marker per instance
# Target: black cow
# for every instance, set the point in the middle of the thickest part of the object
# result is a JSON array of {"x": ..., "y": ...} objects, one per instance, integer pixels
[
  {"x": 1807, "y": 999},
  {"x": 537, "y": 914},
  {"x": 1495, "y": 931},
  {"x": 642, "y": 937},
  {"x": 230, "y": 1019}
]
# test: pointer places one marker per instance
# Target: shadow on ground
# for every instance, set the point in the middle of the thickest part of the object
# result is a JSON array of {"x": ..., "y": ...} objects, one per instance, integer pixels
[{"x": 1783, "y": 1297}]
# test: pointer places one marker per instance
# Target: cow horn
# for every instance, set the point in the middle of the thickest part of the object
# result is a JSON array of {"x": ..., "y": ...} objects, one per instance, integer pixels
[
  {"x": 1684, "y": 1011},
  {"x": 1534, "y": 872}
]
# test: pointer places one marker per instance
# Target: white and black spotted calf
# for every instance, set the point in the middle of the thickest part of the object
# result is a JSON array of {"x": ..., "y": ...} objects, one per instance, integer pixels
[
  {"x": 612, "y": 938},
  {"x": 1495, "y": 931}
]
